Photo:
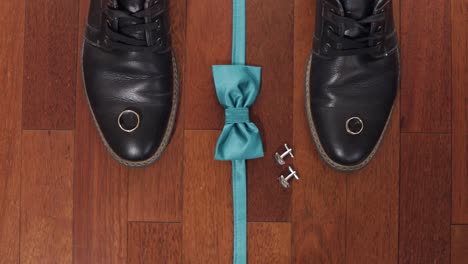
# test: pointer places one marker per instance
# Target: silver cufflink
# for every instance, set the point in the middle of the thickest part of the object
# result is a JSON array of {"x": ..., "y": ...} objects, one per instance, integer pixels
[
  {"x": 280, "y": 157},
  {"x": 284, "y": 180}
]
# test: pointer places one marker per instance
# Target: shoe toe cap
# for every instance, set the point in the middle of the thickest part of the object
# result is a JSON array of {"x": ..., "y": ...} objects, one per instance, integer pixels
[
  {"x": 349, "y": 102},
  {"x": 346, "y": 156},
  {"x": 134, "y": 150},
  {"x": 131, "y": 96},
  {"x": 139, "y": 145},
  {"x": 346, "y": 147}
]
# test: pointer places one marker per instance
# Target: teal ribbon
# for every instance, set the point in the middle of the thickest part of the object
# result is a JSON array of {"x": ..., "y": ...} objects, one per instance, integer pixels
[
  {"x": 238, "y": 31},
  {"x": 237, "y": 87}
]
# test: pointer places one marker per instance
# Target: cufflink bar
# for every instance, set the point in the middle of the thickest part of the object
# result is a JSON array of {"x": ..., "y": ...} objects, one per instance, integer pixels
[{"x": 280, "y": 157}]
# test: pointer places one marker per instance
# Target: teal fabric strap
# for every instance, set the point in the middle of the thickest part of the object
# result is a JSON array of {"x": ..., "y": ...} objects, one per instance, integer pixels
[
  {"x": 239, "y": 203},
  {"x": 238, "y": 32},
  {"x": 237, "y": 87}
]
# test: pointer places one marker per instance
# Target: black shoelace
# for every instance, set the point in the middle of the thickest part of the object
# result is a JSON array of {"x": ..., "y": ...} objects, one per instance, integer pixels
[
  {"x": 124, "y": 28},
  {"x": 369, "y": 40}
]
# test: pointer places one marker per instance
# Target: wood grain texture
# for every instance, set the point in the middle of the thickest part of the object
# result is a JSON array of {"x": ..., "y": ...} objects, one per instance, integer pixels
[
  {"x": 207, "y": 225},
  {"x": 459, "y": 244},
  {"x": 273, "y": 51},
  {"x": 46, "y": 197},
  {"x": 319, "y": 199},
  {"x": 155, "y": 243},
  {"x": 460, "y": 111},
  {"x": 50, "y": 59},
  {"x": 208, "y": 43},
  {"x": 11, "y": 79},
  {"x": 180, "y": 209},
  {"x": 155, "y": 193},
  {"x": 372, "y": 199},
  {"x": 100, "y": 197},
  {"x": 100, "y": 188},
  {"x": 426, "y": 96},
  {"x": 425, "y": 199},
  {"x": 269, "y": 243},
  {"x": 372, "y": 204}
]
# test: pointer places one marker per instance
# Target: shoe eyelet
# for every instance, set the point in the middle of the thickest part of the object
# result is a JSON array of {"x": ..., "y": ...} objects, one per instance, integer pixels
[
  {"x": 159, "y": 42},
  {"x": 158, "y": 24},
  {"x": 326, "y": 48},
  {"x": 106, "y": 40}
]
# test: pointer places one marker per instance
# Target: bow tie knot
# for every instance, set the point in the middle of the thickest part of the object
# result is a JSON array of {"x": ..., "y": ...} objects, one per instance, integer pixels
[
  {"x": 237, "y": 87},
  {"x": 237, "y": 115}
]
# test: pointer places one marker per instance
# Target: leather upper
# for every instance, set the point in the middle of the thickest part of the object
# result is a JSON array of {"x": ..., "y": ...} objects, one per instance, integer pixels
[
  {"x": 120, "y": 77},
  {"x": 351, "y": 83}
]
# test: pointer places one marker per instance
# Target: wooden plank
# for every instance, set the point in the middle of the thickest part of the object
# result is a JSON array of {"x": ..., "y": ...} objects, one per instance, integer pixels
[
  {"x": 372, "y": 204},
  {"x": 155, "y": 193},
  {"x": 425, "y": 94},
  {"x": 425, "y": 198},
  {"x": 50, "y": 56},
  {"x": 460, "y": 111},
  {"x": 9, "y": 196},
  {"x": 208, "y": 43},
  {"x": 372, "y": 199},
  {"x": 319, "y": 199},
  {"x": 269, "y": 243},
  {"x": 100, "y": 189},
  {"x": 273, "y": 51},
  {"x": 154, "y": 243},
  {"x": 459, "y": 244},
  {"x": 207, "y": 225},
  {"x": 100, "y": 197},
  {"x": 46, "y": 197},
  {"x": 11, "y": 78}
]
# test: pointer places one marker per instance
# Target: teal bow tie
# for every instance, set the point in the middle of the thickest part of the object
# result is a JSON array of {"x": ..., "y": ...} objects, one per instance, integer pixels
[{"x": 237, "y": 87}]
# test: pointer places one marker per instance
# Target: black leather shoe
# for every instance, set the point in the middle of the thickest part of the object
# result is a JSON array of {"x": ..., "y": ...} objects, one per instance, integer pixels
[
  {"x": 130, "y": 77},
  {"x": 351, "y": 80}
]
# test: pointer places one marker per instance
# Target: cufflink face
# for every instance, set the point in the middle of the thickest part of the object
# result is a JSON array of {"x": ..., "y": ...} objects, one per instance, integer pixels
[
  {"x": 128, "y": 120},
  {"x": 354, "y": 125},
  {"x": 280, "y": 157},
  {"x": 283, "y": 182}
]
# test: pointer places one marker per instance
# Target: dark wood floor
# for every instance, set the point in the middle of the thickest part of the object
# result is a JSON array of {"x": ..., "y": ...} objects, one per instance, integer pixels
[{"x": 64, "y": 200}]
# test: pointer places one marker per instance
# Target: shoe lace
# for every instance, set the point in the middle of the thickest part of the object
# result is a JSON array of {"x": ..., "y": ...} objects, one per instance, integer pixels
[
  {"x": 367, "y": 40},
  {"x": 135, "y": 31}
]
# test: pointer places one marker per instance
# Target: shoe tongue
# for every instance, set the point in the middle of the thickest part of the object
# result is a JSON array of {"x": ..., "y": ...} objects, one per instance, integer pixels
[
  {"x": 358, "y": 9},
  {"x": 132, "y": 5}
]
